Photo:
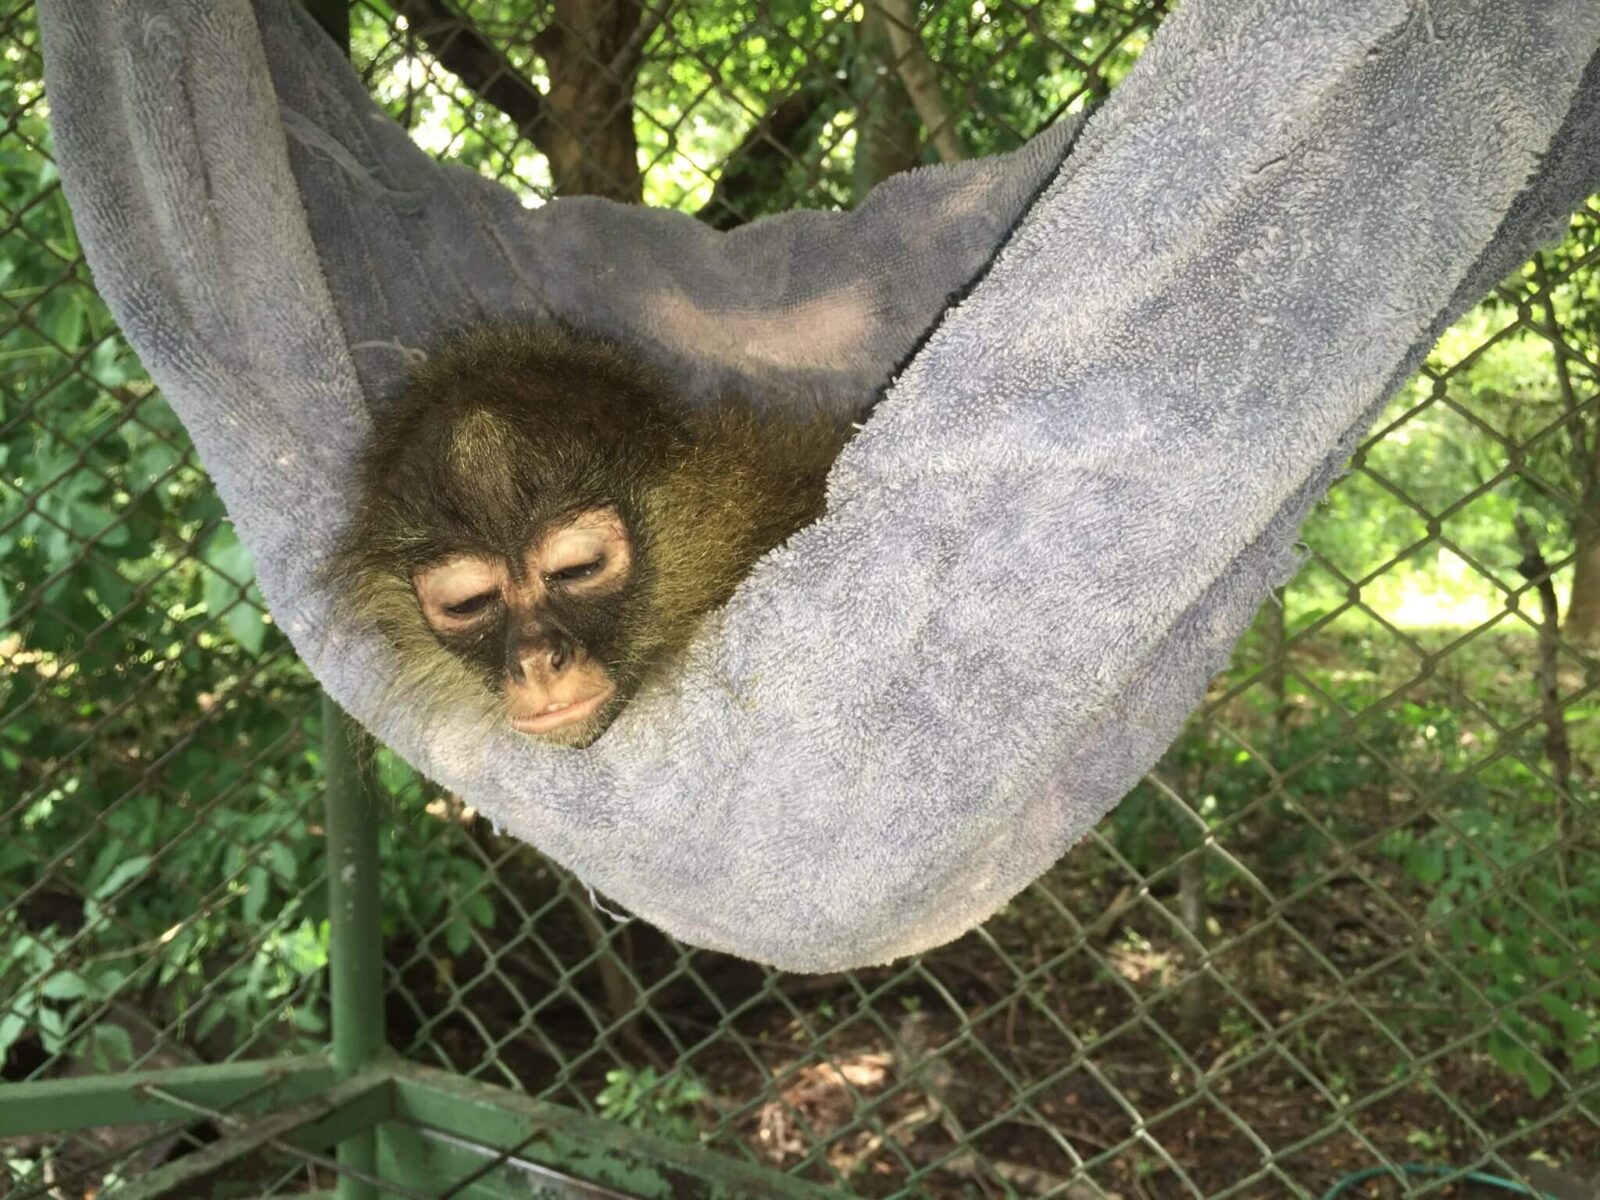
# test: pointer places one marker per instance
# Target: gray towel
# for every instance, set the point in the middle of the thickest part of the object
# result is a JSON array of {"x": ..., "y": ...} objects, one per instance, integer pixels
[{"x": 1046, "y": 538}]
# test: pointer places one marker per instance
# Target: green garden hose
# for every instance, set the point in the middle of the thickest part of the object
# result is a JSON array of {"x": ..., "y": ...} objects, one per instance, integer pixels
[{"x": 1496, "y": 1181}]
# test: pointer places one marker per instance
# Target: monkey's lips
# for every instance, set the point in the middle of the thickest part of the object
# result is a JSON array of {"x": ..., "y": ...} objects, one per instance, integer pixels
[{"x": 560, "y": 714}]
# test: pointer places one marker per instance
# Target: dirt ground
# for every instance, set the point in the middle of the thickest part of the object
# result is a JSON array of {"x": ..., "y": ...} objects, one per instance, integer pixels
[{"x": 1027, "y": 1060}]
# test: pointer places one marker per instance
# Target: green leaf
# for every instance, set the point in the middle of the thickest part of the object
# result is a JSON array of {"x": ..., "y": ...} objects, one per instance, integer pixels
[
  {"x": 282, "y": 861},
  {"x": 63, "y": 317},
  {"x": 112, "y": 590},
  {"x": 110, "y": 1047},
  {"x": 1574, "y": 1024},
  {"x": 210, "y": 1017},
  {"x": 257, "y": 885},
  {"x": 13, "y": 1025},
  {"x": 124, "y": 871},
  {"x": 394, "y": 773},
  {"x": 1426, "y": 862},
  {"x": 51, "y": 1026},
  {"x": 306, "y": 948},
  {"x": 229, "y": 590},
  {"x": 1507, "y": 1054},
  {"x": 66, "y": 985},
  {"x": 1538, "y": 1077}
]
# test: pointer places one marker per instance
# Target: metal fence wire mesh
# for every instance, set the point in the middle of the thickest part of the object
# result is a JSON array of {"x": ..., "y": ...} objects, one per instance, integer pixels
[{"x": 1351, "y": 921}]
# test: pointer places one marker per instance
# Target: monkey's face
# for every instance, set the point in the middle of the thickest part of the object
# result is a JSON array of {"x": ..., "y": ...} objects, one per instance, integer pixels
[
  {"x": 544, "y": 624},
  {"x": 507, "y": 502}
]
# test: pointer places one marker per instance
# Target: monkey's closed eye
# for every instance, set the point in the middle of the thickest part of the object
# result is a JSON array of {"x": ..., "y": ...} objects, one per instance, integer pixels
[
  {"x": 581, "y": 571},
  {"x": 471, "y": 606}
]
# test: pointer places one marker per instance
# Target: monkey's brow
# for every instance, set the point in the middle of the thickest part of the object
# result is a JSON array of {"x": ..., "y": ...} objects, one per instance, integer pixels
[
  {"x": 577, "y": 508},
  {"x": 435, "y": 555}
]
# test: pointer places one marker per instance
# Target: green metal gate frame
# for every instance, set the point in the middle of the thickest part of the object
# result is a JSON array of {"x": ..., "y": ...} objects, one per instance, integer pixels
[{"x": 393, "y": 1128}]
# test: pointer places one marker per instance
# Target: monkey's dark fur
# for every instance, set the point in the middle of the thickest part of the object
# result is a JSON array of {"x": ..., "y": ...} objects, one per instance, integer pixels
[{"x": 505, "y": 428}]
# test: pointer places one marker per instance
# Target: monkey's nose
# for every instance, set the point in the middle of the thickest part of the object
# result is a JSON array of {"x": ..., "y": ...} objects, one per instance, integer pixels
[{"x": 543, "y": 656}]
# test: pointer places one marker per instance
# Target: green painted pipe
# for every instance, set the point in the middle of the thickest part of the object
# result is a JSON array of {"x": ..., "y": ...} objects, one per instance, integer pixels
[{"x": 355, "y": 933}]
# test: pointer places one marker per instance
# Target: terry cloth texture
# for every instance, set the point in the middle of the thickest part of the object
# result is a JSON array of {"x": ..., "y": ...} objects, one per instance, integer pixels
[{"x": 1051, "y": 530}]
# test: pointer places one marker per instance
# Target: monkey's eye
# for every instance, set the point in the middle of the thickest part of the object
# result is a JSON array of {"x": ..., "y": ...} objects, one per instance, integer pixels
[
  {"x": 471, "y": 606},
  {"x": 581, "y": 571}
]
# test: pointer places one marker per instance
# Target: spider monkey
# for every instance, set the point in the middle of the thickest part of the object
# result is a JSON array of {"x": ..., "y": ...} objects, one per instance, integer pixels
[{"x": 542, "y": 523}]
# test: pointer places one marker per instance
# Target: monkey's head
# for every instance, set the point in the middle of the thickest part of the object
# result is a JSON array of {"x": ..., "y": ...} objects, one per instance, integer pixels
[{"x": 505, "y": 518}]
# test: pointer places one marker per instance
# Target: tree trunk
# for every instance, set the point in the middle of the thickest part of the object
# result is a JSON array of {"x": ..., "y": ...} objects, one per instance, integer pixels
[
  {"x": 920, "y": 77},
  {"x": 592, "y": 49},
  {"x": 1278, "y": 663},
  {"x": 1557, "y": 745},
  {"x": 584, "y": 127},
  {"x": 888, "y": 133},
  {"x": 1194, "y": 1003},
  {"x": 1583, "y": 603},
  {"x": 755, "y": 169},
  {"x": 1582, "y": 624}
]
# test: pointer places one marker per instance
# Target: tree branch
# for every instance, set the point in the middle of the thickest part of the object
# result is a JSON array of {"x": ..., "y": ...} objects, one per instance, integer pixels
[
  {"x": 765, "y": 150},
  {"x": 1534, "y": 568},
  {"x": 584, "y": 124},
  {"x": 465, "y": 52},
  {"x": 921, "y": 78},
  {"x": 625, "y": 63}
]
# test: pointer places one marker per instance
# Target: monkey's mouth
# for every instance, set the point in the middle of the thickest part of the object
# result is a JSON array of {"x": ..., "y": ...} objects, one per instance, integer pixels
[{"x": 560, "y": 714}]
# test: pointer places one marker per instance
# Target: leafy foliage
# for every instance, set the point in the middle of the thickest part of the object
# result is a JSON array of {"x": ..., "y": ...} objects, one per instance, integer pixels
[{"x": 645, "y": 1099}]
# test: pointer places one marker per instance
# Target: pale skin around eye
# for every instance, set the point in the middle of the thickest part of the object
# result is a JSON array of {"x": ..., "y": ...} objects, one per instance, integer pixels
[{"x": 587, "y": 552}]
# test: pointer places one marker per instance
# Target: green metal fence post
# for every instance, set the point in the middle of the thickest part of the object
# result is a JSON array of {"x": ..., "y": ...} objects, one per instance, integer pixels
[
  {"x": 355, "y": 936},
  {"x": 355, "y": 951}
]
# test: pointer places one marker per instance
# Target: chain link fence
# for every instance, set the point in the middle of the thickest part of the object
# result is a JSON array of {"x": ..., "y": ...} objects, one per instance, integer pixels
[{"x": 1351, "y": 922}]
